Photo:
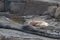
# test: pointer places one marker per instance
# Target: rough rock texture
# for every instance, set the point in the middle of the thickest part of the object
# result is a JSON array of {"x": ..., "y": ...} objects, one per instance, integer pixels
[
  {"x": 52, "y": 8},
  {"x": 2, "y": 37},
  {"x": 32, "y": 8},
  {"x": 1, "y": 6},
  {"x": 15, "y": 0},
  {"x": 23, "y": 8},
  {"x": 1, "y": 0},
  {"x": 57, "y": 14},
  {"x": 36, "y": 8},
  {"x": 18, "y": 35},
  {"x": 17, "y": 8},
  {"x": 51, "y": 11}
]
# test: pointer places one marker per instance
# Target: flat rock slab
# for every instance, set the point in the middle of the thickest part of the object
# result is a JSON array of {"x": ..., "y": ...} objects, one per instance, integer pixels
[{"x": 15, "y": 35}]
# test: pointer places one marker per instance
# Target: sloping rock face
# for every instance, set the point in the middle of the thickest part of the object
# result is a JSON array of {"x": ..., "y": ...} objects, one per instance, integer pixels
[{"x": 7, "y": 34}]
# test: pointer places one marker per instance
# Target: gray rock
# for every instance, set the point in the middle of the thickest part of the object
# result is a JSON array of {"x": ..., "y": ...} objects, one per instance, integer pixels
[
  {"x": 52, "y": 8},
  {"x": 17, "y": 8},
  {"x": 15, "y": 0},
  {"x": 57, "y": 14},
  {"x": 51, "y": 11},
  {"x": 37, "y": 7},
  {"x": 2, "y": 37},
  {"x": 1, "y": 6},
  {"x": 18, "y": 35},
  {"x": 1, "y": 0},
  {"x": 13, "y": 38}
]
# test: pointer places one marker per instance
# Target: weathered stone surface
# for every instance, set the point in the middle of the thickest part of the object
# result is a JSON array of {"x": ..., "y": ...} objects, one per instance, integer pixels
[
  {"x": 36, "y": 8},
  {"x": 15, "y": 0},
  {"x": 32, "y": 8},
  {"x": 2, "y": 37},
  {"x": 17, "y": 8},
  {"x": 13, "y": 38},
  {"x": 1, "y": 0},
  {"x": 57, "y": 14},
  {"x": 52, "y": 8},
  {"x": 1, "y": 6},
  {"x": 18, "y": 35},
  {"x": 51, "y": 11}
]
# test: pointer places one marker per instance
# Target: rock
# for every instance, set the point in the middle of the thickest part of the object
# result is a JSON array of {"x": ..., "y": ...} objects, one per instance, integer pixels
[
  {"x": 37, "y": 7},
  {"x": 1, "y": 6},
  {"x": 15, "y": 0},
  {"x": 8, "y": 34},
  {"x": 2, "y": 37},
  {"x": 52, "y": 8},
  {"x": 13, "y": 38},
  {"x": 32, "y": 8},
  {"x": 57, "y": 14},
  {"x": 17, "y": 8},
  {"x": 1, "y": 0},
  {"x": 51, "y": 11}
]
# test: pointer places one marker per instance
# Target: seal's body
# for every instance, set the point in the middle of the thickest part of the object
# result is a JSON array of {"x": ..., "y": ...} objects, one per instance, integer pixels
[{"x": 39, "y": 23}]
